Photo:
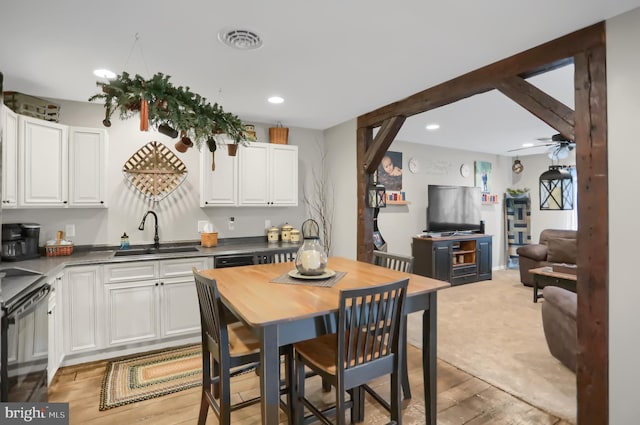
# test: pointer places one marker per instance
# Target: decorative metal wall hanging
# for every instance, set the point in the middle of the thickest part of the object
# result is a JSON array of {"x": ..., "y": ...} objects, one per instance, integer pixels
[
  {"x": 556, "y": 189},
  {"x": 155, "y": 171}
]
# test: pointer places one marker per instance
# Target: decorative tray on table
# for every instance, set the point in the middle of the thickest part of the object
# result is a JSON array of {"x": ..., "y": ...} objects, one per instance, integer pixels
[{"x": 325, "y": 275}]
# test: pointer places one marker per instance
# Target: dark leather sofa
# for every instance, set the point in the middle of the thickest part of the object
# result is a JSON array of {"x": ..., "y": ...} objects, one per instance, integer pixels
[
  {"x": 559, "y": 311},
  {"x": 555, "y": 246}
]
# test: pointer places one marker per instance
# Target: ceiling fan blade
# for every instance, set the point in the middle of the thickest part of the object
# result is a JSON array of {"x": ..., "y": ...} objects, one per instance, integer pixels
[{"x": 542, "y": 145}]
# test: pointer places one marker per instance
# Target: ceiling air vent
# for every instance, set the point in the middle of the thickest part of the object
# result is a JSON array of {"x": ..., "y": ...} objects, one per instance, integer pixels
[{"x": 240, "y": 39}]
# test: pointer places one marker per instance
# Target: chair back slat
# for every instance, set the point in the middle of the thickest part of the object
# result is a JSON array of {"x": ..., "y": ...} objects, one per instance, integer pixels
[
  {"x": 212, "y": 321},
  {"x": 369, "y": 322},
  {"x": 401, "y": 263},
  {"x": 277, "y": 256}
]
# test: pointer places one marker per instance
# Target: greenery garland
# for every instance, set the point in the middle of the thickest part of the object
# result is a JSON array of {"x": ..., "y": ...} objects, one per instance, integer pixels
[{"x": 176, "y": 107}]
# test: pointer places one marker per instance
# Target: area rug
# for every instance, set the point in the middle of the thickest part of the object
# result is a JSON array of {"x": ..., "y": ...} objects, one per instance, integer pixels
[
  {"x": 142, "y": 377},
  {"x": 493, "y": 330}
]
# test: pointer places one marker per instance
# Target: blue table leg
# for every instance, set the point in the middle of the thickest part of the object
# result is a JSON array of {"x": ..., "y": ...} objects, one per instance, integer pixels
[
  {"x": 429, "y": 360},
  {"x": 270, "y": 376}
]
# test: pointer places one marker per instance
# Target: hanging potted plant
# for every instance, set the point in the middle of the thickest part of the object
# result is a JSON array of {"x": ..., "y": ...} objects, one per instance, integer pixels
[{"x": 171, "y": 109}]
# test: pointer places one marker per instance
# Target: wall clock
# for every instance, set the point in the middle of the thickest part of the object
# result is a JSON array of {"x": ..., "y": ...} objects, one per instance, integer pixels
[
  {"x": 517, "y": 166},
  {"x": 414, "y": 165},
  {"x": 465, "y": 170}
]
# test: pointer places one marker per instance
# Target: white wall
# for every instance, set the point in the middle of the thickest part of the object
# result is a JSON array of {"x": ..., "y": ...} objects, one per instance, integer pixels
[
  {"x": 179, "y": 212},
  {"x": 623, "y": 97},
  {"x": 341, "y": 160},
  {"x": 398, "y": 224},
  {"x": 534, "y": 165}
]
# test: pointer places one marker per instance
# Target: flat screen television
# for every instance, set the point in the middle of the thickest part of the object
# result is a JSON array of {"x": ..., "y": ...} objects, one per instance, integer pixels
[{"x": 453, "y": 208}]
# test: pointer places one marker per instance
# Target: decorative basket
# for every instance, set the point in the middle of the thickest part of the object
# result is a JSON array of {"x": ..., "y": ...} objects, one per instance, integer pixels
[
  {"x": 32, "y": 106},
  {"x": 279, "y": 135},
  {"x": 208, "y": 240},
  {"x": 58, "y": 250}
]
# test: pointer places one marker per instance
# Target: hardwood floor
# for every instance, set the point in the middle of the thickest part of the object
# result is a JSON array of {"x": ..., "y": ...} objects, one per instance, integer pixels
[{"x": 462, "y": 399}]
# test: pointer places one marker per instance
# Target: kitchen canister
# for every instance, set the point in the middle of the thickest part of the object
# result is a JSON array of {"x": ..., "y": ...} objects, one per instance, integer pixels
[
  {"x": 273, "y": 234},
  {"x": 295, "y": 236},
  {"x": 286, "y": 232}
]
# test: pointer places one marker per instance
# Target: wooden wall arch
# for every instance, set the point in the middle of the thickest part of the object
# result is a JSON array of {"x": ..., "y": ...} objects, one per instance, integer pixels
[{"x": 587, "y": 125}]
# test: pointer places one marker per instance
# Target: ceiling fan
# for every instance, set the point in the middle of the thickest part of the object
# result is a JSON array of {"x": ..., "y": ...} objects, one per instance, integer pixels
[{"x": 559, "y": 146}]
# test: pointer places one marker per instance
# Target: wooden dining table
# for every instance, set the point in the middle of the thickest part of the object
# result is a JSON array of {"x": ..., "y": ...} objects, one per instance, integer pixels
[{"x": 281, "y": 314}]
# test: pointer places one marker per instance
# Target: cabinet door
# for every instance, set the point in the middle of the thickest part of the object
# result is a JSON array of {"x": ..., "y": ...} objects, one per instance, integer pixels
[
  {"x": 442, "y": 261},
  {"x": 9, "y": 157},
  {"x": 132, "y": 312},
  {"x": 484, "y": 259},
  {"x": 82, "y": 297},
  {"x": 55, "y": 336},
  {"x": 253, "y": 177},
  {"x": 179, "y": 306},
  {"x": 219, "y": 187},
  {"x": 87, "y": 167},
  {"x": 43, "y": 159},
  {"x": 283, "y": 180}
]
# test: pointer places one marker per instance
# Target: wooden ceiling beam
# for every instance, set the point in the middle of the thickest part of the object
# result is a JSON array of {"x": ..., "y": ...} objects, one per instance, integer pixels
[
  {"x": 381, "y": 143},
  {"x": 529, "y": 62},
  {"x": 548, "y": 109}
]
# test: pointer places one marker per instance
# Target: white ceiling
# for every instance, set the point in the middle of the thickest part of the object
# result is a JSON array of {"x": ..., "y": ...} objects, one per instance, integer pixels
[{"x": 332, "y": 60}]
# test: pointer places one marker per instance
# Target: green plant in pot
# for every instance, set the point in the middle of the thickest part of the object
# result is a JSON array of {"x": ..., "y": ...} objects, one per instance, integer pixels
[{"x": 173, "y": 110}]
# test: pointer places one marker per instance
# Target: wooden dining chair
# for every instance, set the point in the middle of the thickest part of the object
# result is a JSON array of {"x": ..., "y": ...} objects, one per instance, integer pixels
[
  {"x": 367, "y": 345},
  {"x": 274, "y": 256},
  {"x": 401, "y": 263},
  {"x": 228, "y": 349}
]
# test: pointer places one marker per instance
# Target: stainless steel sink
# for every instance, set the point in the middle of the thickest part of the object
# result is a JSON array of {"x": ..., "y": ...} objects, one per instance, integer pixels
[{"x": 151, "y": 251}]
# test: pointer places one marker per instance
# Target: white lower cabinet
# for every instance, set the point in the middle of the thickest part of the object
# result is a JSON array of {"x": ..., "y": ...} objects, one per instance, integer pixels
[
  {"x": 82, "y": 318},
  {"x": 132, "y": 312},
  {"x": 55, "y": 337},
  {"x": 140, "y": 309}
]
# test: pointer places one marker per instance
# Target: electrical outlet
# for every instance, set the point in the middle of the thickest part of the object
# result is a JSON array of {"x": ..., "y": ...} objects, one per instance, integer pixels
[
  {"x": 201, "y": 224},
  {"x": 267, "y": 224},
  {"x": 232, "y": 223},
  {"x": 70, "y": 230}
]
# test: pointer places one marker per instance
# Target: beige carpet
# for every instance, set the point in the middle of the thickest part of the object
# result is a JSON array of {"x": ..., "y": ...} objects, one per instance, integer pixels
[{"x": 493, "y": 330}]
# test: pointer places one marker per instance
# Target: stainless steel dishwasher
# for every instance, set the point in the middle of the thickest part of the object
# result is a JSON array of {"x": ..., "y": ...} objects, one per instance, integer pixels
[{"x": 234, "y": 260}]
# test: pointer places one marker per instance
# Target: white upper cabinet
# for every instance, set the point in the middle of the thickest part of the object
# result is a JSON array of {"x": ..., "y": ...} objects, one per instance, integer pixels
[
  {"x": 43, "y": 163},
  {"x": 283, "y": 175},
  {"x": 219, "y": 187},
  {"x": 268, "y": 175},
  {"x": 253, "y": 176},
  {"x": 9, "y": 157},
  {"x": 87, "y": 167},
  {"x": 262, "y": 174},
  {"x": 56, "y": 166}
]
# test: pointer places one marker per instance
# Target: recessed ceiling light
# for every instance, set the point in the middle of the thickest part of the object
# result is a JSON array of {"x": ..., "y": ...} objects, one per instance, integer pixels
[
  {"x": 275, "y": 99},
  {"x": 240, "y": 39},
  {"x": 527, "y": 145},
  {"x": 432, "y": 127},
  {"x": 104, "y": 73}
]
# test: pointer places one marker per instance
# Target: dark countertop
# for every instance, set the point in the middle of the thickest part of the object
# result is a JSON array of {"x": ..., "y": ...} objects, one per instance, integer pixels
[{"x": 16, "y": 283}]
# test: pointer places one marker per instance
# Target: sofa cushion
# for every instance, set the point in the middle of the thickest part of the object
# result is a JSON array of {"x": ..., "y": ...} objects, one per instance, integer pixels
[
  {"x": 562, "y": 250},
  {"x": 535, "y": 252}
]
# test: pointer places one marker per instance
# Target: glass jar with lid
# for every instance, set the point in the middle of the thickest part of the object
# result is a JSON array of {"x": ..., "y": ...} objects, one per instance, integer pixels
[{"x": 286, "y": 232}]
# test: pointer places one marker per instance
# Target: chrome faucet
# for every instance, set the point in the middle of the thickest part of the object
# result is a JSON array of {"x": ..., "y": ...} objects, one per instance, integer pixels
[{"x": 156, "y": 239}]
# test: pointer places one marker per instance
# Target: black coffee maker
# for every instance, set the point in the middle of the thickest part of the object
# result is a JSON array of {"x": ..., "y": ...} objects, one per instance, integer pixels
[{"x": 20, "y": 241}]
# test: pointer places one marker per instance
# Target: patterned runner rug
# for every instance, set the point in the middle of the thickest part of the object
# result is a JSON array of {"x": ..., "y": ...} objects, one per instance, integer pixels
[{"x": 150, "y": 375}]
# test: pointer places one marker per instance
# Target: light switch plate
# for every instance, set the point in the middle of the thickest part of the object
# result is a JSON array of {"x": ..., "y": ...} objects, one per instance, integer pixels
[{"x": 70, "y": 230}]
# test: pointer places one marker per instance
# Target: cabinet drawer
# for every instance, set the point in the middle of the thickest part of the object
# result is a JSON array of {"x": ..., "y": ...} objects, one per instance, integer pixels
[
  {"x": 464, "y": 270},
  {"x": 459, "y": 280},
  {"x": 182, "y": 266},
  {"x": 143, "y": 270}
]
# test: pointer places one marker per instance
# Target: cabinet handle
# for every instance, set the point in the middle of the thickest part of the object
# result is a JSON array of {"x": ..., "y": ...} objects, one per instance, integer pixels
[
  {"x": 64, "y": 202},
  {"x": 156, "y": 283},
  {"x": 162, "y": 283},
  {"x": 102, "y": 202}
]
